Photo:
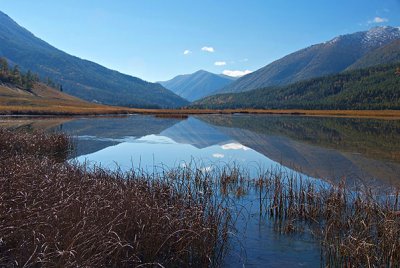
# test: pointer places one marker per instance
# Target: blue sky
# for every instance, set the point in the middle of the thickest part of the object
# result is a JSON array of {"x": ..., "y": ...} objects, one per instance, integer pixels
[{"x": 148, "y": 38}]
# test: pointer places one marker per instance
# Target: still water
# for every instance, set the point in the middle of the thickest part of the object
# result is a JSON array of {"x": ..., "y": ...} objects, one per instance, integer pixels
[{"x": 359, "y": 151}]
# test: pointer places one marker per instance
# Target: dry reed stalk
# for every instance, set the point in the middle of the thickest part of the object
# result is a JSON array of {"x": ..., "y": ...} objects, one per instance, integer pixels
[{"x": 54, "y": 213}]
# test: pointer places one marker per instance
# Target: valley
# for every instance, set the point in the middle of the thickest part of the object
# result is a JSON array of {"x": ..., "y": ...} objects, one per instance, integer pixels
[{"x": 199, "y": 133}]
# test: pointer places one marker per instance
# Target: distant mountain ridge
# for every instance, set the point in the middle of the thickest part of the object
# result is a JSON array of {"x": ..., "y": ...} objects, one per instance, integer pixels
[
  {"x": 197, "y": 85},
  {"x": 80, "y": 78},
  {"x": 318, "y": 60}
]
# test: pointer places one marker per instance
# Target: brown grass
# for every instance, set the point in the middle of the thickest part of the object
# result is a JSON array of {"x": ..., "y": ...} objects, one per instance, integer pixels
[
  {"x": 59, "y": 109},
  {"x": 57, "y": 214},
  {"x": 355, "y": 228},
  {"x": 44, "y": 100},
  {"x": 36, "y": 143},
  {"x": 44, "y": 123}
]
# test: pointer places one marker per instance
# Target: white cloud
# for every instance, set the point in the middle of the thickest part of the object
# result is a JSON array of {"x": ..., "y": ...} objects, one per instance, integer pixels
[
  {"x": 187, "y": 52},
  {"x": 234, "y": 146},
  {"x": 378, "y": 20},
  {"x": 220, "y": 63},
  {"x": 208, "y": 49},
  {"x": 218, "y": 155},
  {"x": 236, "y": 73}
]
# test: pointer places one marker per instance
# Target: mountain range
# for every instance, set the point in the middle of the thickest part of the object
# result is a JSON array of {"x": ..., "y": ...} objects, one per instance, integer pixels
[
  {"x": 341, "y": 53},
  {"x": 363, "y": 73},
  {"x": 197, "y": 85},
  {"x": 373, "y": 88},
  {"x": 81, "y": 78},
  {"x": 322, "y": 76}
]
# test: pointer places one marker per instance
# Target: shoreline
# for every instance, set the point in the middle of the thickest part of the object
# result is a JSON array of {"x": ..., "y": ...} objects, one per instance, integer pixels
[{"x": 181, "y": 113}]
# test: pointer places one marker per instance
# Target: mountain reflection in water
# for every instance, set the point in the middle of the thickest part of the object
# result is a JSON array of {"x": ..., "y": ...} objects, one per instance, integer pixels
[
  {"x": 362, "y": 151},
  {"x": 358, "y": 150}
]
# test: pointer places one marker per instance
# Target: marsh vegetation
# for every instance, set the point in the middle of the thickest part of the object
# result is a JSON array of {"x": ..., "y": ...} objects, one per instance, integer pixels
[{"x": 55, "y": 212}]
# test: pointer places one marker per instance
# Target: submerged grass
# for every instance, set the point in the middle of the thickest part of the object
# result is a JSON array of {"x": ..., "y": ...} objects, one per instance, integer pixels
[
  {"x": 57, "y": 213},
  {"x": 355, "y": 228}
]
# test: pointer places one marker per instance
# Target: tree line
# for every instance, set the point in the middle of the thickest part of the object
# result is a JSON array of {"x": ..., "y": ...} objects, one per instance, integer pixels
[
  {"x": 13, "y": 75},
  {"x": 375, "y": 87}
]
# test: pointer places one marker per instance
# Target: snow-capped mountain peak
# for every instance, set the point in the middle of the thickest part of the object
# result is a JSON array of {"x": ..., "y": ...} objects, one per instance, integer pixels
[
  {"x": 372, "y": 38},
  {"x": 380, "y": 35}
]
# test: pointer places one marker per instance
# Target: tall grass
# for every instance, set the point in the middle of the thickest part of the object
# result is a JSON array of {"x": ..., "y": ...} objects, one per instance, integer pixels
[
  {"x": 74, "y": 109},
  {"x": 35, "y": 143},
  {"x": 57, "y": 213},
  {"x": 53, "y": 213},
  {"x": 355, "y": 228}
]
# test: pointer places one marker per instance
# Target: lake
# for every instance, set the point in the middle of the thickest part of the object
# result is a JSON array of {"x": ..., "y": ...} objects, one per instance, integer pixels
[{"x": 361, "y": 152}]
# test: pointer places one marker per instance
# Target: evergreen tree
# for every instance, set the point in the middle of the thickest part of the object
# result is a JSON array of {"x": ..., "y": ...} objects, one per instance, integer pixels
[
  {"x": 16, "y": 76},
  {"x": 50, "y": 83},
  {"x": 35, "y": 78},
  {"x": 29, "y": 80},
  {"x": 3, "y": 67}
]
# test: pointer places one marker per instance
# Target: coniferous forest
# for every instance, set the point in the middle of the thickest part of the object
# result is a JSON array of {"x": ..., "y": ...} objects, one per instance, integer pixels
[
  {"x": 376, "y": 87},
  {"x": 14, "y": 76}
]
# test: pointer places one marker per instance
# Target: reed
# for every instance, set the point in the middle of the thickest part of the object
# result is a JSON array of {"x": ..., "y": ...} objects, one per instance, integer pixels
[
  {"x": 56, "y": 213},
  {"x": 76, "y": 109},
  {"x": 355, "y": 228},
  {"x": 55, "y": 146}
]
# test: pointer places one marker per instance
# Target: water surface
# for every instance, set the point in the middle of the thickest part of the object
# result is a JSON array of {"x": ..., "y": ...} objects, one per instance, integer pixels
[{"x": 359, "y": 151}]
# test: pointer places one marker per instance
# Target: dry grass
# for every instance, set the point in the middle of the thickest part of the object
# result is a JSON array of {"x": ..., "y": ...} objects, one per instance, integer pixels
[
  {"x": 53, "y": 213},
  {"x": 43, "y": 123},
  {"x": 355, "y": 228},
  {"x": 47, "y": 101},
  {"x": 60, "y": 109},
  {"x": 57, "y": 109},
  {"x": 36, "y": 143},
  {"x": 44, "y": 100}
]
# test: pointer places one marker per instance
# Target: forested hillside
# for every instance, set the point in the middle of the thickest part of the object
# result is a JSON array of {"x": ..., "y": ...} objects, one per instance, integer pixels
[
  {"x": 371, "y": 88},
  {"x": 322, "y": 59}
]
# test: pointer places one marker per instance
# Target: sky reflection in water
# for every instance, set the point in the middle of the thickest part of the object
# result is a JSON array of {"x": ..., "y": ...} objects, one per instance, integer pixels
[{"x": 328, "y": 148}]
